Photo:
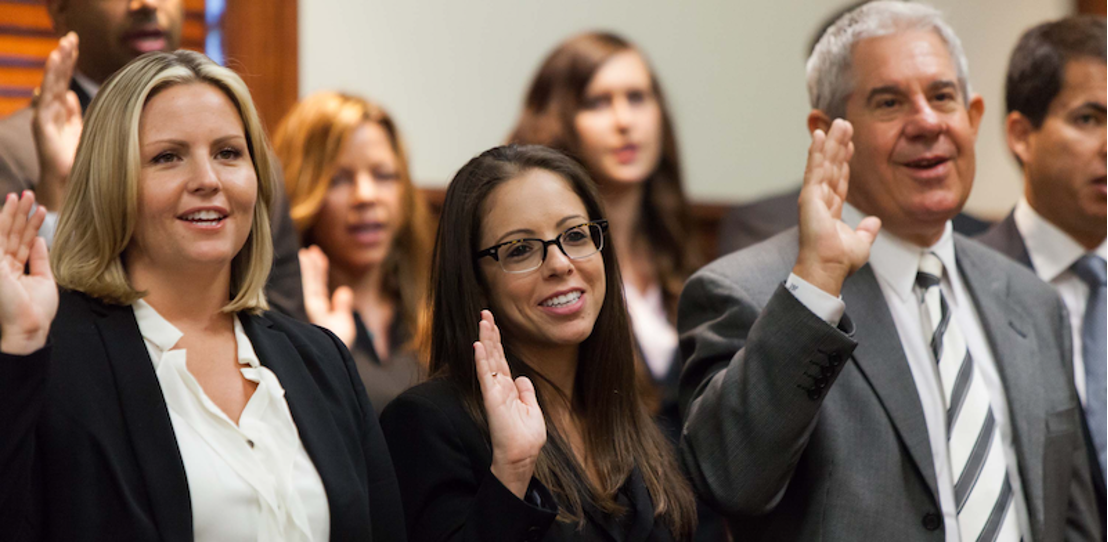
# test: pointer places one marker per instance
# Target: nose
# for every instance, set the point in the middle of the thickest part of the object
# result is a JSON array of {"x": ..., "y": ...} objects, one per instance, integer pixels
[
  {"x": 365, "y": 188},
  {"x": 204, "y": 178},
  {"x": 924, "y": 122},
  {"x": 557, "y": 263},
  {"x": 621, "y": 113},
  {"x": 142, "y": 5}
]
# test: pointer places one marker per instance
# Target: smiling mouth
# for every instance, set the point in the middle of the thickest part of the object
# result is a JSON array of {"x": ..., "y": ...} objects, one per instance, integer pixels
[
  {"x": 927, "y": 163},
  {"x": 204, "y": 218},
  {"x": 563, "y": 300}
]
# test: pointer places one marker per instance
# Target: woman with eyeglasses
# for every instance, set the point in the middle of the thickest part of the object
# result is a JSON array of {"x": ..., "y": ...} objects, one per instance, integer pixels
[{"x": 531, "y": 426}]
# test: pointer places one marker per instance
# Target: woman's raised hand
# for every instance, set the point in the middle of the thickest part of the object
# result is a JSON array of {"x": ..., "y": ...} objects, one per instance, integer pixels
[
  {"x": 28, "y": 302},
  {"x": 516, "y": 424},
  {"x": 334, "y": 312}
]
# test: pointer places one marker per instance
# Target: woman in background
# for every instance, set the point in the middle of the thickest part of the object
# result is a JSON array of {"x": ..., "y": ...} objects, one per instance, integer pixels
[
  {"x": 367, "y": 231},
  {"x": 596, "y": 98},
  {"x": 537, "y": 430}
]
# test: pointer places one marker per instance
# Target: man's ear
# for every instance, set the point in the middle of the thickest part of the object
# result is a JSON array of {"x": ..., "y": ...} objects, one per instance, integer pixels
[
  {"x": 976, "y": 110},
  {"x": 58, "y": 10},
  {"x": 1018, "y": 130},
  {"x": 818, "y": 120}
]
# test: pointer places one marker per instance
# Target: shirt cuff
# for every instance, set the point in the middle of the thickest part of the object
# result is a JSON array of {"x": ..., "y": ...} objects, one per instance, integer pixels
[
  {"x": 821, "y": 303},
  {"x": 48, "y": 227}
]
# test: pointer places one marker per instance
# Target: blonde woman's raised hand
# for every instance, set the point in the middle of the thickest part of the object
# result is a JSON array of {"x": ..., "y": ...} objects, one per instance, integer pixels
[
  {"x": 57, "y": 122},
  {"x": 28, "y": 302},
  {"x": 332, "y": 311},
  {"x": 830, "y": 250},
  {"x": 516, "y": 424}
]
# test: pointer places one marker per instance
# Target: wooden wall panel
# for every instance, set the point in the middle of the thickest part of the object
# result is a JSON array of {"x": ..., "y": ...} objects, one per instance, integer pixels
[
  {"x": 1092, "y": 7},
  {"x": 261, "y": 44},
  {"x": 27, "y": 37}
]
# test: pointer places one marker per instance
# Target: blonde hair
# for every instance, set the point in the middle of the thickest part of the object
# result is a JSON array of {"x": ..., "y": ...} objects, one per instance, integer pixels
[
  {"x": 97, "y": 219},
  {"x": 308, "y": 142}
]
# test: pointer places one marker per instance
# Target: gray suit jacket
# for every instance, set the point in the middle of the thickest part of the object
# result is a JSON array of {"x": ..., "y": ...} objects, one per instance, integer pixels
[
  {"x": 1005, "y": 237},
  {"x": 19, "y": 170},
  {"x": 797, "y": 430}
]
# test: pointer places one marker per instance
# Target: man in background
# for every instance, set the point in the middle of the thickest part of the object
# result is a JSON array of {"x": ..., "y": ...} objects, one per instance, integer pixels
[
  {"x": 38, "y": 143},
  {"x": 1055, "y": 93}
]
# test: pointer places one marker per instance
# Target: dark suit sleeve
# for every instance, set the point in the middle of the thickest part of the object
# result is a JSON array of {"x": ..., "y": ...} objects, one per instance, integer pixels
[
  {"x": 23, "y": 382},
  {"x": 449, "y": 495},
  {"x": 386, "y": 515},
  {"x": 751, "y": 389},
  {"x": 284, "y": 289}
]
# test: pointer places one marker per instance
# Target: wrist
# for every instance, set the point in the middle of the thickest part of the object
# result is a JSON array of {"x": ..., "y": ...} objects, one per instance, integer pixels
[
  {"x": 515, "y": 476},
  {"x": 21, "y": 344},
  {"x": 825, "y": 277}
]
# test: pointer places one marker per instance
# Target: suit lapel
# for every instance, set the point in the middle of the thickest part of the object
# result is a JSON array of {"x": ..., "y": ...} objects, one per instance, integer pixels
[
  {"x": 147, "y": 419},
  {"x": 880, "y": 357},
  {"x": 308, "y": 407},
  {"x": 1008, "y": 331}
]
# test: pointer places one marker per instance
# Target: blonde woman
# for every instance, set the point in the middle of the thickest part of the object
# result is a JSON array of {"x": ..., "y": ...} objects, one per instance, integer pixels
[
  {"x": 163, "y": 402},
  {"x": 368, "y": 232}
]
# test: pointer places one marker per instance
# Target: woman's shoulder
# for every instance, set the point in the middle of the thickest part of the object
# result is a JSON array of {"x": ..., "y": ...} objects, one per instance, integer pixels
[{"x": 438, "y": 394}]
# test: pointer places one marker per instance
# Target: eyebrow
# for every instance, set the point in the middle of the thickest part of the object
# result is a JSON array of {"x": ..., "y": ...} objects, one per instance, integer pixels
[
  {"x": 182, "y": 143},
  {"x": 1095, "y": 106},
  {"x": 525, "y": 231},
  {"x": 894, "y": 89}
]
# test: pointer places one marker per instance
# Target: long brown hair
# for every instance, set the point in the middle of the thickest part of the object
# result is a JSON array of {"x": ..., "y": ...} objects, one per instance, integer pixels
[
  {"x": 618, "y": 432},
  {"x": 552, "y": 103},
  {"x": 308, "y": 143}
]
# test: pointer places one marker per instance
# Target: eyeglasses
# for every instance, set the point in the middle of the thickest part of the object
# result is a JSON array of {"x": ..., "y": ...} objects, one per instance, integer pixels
[{"x": 523, "y": 255}]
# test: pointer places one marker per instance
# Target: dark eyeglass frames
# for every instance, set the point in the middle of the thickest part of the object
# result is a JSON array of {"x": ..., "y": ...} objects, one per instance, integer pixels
[{"x": 523, "y": 255}]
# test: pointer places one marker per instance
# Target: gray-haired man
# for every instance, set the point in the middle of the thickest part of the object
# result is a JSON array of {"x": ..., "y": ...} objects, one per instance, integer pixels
[{"x": 915, "y": 389}]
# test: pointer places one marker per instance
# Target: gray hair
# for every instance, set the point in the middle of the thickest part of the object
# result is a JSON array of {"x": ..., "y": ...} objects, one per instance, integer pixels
[{"x": 830, "y": 66}]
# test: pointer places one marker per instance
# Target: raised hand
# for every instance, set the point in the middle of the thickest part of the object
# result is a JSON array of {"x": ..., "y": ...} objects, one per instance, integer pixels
[
  {"x": 332, "y": 311},
  {"x": 28, "y": 303},
  {"x": 516, "y": 424},
  {"x": 57, "y": 123},
  {"x": 829, "y": 249}
]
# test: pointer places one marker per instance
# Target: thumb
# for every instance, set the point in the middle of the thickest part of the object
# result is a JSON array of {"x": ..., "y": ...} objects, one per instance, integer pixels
[
  {"x": 526, "y": 391},
  {"x": 868, "y": 229},
  {"x": 342, "y": 301},
  {"x": 40, "y": 260}
]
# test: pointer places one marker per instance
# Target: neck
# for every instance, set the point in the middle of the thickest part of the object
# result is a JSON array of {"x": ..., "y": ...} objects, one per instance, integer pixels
[
  {"x": 1088, "y": 233},
  {"x": 367, "y": 283},
  {"x": 624, "y": 205},
  {"x": 194, "y": 295}
]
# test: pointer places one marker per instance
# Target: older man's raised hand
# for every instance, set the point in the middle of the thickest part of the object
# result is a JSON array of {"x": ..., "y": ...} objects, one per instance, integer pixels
[
  {"x": 830, "y": 250},
  {"x": 57, "y": 123}
]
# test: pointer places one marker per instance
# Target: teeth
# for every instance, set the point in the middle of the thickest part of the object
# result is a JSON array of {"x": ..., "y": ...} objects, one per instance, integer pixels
[
  {"x": 203, "y": 216},
  {"x": 562, "y": 300}
]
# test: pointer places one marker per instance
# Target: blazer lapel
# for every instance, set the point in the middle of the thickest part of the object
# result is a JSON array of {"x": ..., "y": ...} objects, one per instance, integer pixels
[
  {"x": 1008, "y": 331},
  {"x": 881, "y": 359},
  {"x": 147, "y": 419},
  {"x": 308, "y": 407}
]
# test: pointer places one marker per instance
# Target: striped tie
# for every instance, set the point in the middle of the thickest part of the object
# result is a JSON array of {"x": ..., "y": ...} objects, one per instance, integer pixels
[{"x": 982, "y": 490}]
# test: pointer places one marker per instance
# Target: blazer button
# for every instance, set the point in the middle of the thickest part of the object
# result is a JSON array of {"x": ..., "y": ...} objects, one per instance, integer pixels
[
  {"x": 813, "y": 394},
  {"x": 932, "y": 521},
  {"x": 835, "y": 359}
]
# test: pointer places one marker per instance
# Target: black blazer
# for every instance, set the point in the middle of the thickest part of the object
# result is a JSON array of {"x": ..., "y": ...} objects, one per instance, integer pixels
[
  {"x": 442, "y": 460},
  {"x": 1005, "y": 237},
  {"x": 87, "y": 450}
]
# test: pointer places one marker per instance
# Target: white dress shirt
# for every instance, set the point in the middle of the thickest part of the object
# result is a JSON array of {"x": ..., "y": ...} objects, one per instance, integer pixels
[
  {"x": 656, "y": 336},
  {"x": 895, "y": 263},
  {"x": 1052, "y": 252},
  {"x": 251, "y": 481}
]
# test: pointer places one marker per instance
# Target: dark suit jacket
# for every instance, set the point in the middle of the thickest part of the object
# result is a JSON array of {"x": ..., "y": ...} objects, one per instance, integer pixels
[
  {"x": 87, "y": 449},
  {"x": 754, "y": 222},
  {"x": 442, "y": 460},
  {"x": 1005, "y": 237},
  {"x": 19, "y": 170},
  {"x": 797, "y": 430}
]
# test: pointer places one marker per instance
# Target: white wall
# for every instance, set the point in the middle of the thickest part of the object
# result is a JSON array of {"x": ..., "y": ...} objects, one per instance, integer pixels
[{"x": 453, "y": 75}]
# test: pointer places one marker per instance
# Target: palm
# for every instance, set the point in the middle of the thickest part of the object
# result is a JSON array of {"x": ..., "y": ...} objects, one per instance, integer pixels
[
  {"x": 332, "y": 311},
  {"x": 517, "y": 427},
  {"x": 27, "y": 302}
]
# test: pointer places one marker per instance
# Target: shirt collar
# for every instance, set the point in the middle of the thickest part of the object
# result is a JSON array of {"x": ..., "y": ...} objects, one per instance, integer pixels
[
  {"x": 164, "y": 335},
  {"x": 895, "y": 261},
  {"x": 1052, "y": 251},
  {"x": 88, "y": 85}
]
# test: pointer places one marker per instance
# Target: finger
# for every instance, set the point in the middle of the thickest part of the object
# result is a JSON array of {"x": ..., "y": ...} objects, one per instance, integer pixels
[
  {"x": 40, "y": 260},
  {"x": 72, "y": 105},
  {"x": 815, "y": 157},
  {"x": 868, "y": 229},
  {"x": 526, "y": 390},
  {"x": 29, "y": 235},
  {"x": 342, "y": 302},
  {"x": 7, "y": 217},
  {"x": 489, "y": 338},
  {"x": 481, "y": 365},
  {"x": 19, "y": 221}
]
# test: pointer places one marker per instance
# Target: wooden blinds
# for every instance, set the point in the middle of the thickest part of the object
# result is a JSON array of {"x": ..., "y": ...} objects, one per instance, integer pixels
[{"x": 27, "y": 37}]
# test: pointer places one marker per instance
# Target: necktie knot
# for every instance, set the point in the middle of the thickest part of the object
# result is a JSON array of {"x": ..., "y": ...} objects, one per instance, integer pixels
[
  {"x": 930, "y": 271},
  {"x": 1091, "y": 269}
]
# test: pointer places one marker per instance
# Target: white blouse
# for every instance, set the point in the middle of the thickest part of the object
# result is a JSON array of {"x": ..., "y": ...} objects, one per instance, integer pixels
[
  {"x": 656, "y": 336},
  {"x": 252, "y": 481}
]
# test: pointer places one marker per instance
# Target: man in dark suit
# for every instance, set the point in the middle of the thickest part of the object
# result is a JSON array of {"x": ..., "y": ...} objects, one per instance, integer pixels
[
  {"x": 1056, "y": 130},
  {"x": 38, "y": 143},
  {"x": 845, "y": 383}
]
